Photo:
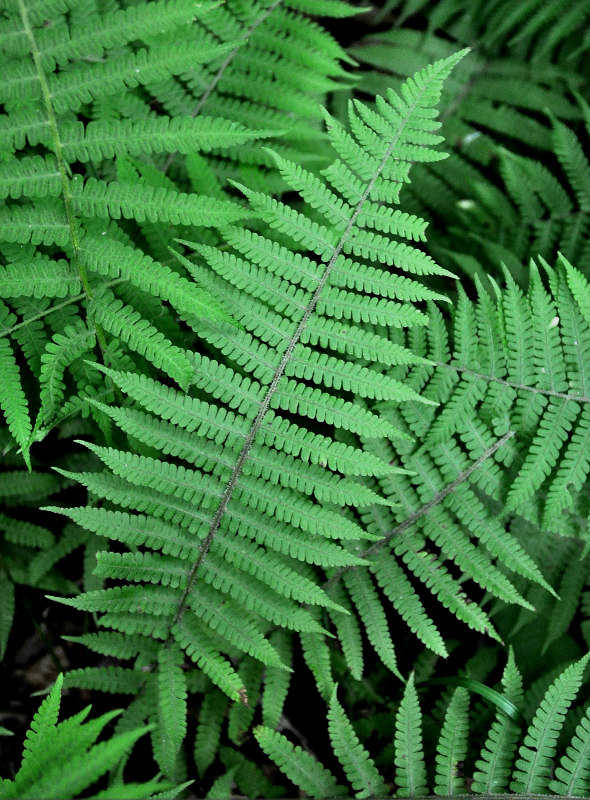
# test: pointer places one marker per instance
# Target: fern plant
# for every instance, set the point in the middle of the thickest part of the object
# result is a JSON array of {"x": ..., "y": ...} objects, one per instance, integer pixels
[
  {"x": 494, "y": 104},
  {"x": 288, "y": 438},
  {"x": 62, "y": 759},
  {"x": 59, "y": 238},
  {"x": 501, "y": 449},
  {"x": 502, "y": 765},
  {"x": 231, "y": 536},
  {"x": 525, "y": 371}
]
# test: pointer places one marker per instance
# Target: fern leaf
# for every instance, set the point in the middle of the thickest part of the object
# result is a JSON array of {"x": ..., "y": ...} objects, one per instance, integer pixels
[
  {"x": 100, "y": 140},
  {"x": 572, "y": 776},
  {"x": 32, "y": 176},
  {"x": 276, "y": 684},
  {"x": 171, "y": 706},
  {"x": 348, "y": 631},
  {"x": 394, "y": 583},
  {"x": 356, "y": 762},
  {"x": 87, "y": 82},
  {"x": 317, "y": 657},
  {"x": 409, "y": 755},
  {"x": 44, "y": 720},
  {"x": 125, "y": 323},
  {"x": 452, "y": 745},
  {"x": 533, "y": 768},
  {"x": 300, "y": 767},
  {"x": 61, "y": 352},
  {"x": 493, "y": 767},
  {"x": 13, "y": 401},
  {"x": 372, "y": 615},
  {"x": 211, "y": 717},
  {"x": 95, "y": 198},
  {"x": 109, "y": 257},
  {"x": 44, "y": 223},
  {"x": 39, "y": 278},
  {"x": 201, "y": 649}
]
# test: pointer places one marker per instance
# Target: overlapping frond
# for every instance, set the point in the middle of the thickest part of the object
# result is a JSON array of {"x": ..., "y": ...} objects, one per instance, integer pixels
[
  {"x": 110, "y": 66},
  {"x": 525, "y": 371},
  {"x": 56, "y": 204},
  {"x": 510, "y": 114},
  {"x": 455, "y": 753},
  {"x": 63, "y": 759},
  {"x": 227, "y": 541}
]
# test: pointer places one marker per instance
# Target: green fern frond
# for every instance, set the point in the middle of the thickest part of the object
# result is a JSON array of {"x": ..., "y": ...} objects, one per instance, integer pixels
[
  {"x": 41, "y": 277},
  {"x": 63, "y": 759},
  {"x": 493, "y": 768},
  {"x": 171, "y": 706},
  {"x": 572, "y": 776},
  {"x": 452, "y": 746},
  {"x": 409, "y": 755},
  {"x": 356, "y": 762},
  {"x": 99, "y": 140},
  {"x": 522, "y": 372},
  {"x": 113, "y": 316},
  {"x": 228, "y": 492},
  {"x": 300, "y": 767},
  {"x": 452, "y": 752},
  {"x": 60, "y": 353},
  {"x": 13, "y": 401},
  {"x": 533, "y": 769},
  {"x": 56, "y": 70}
]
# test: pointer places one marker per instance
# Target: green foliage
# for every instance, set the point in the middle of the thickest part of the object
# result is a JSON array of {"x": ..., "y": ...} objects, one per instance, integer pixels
[
  {"x": 57, "y": 233},
  {"x": 239, "y": 377},
  {"x": 531, "y": 770},
  {"x": 195, "y": 580},
  {"x": 63, "y": 759}
]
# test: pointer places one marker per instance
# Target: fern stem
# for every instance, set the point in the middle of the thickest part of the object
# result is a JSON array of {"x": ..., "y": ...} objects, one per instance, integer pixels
[
  {"x": 263, "y": 410},
  {"x": 58, "y": 151},
  {"x": 438, "y": 498},
  {"x": 521, "y": 386},
  {"x": 220, "y": 72},
  {"x": 52, "y": 309}
]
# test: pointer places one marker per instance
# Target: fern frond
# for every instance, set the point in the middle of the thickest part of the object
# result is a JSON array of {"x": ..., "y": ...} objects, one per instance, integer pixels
[
  {"x": 533, "y": 768},
  {"x": 372, "y": 616},
  {"x": 409, "y": 755},
  {"x": 256, "y": 456},
  {"x": 356, "y": 762},
  {"x": 100, "y": 140},
  {"x": 126, "y": 324},
  {"x": 41, "y": 277},
  {"x": 95, "y": 198},
  {"x": 13, "y": 401},
  {"x": 211, "y": 717},
  {"x": 300, "y": 767},
  {"x": 63, "y": 759},
  {"x": 493, "y": 768},
  {"x": 171, "y": 706},
  {"x": 60, "y": 353},
  {"x": 452, "y": 745},
  {"x": 572, "y": 776}
]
